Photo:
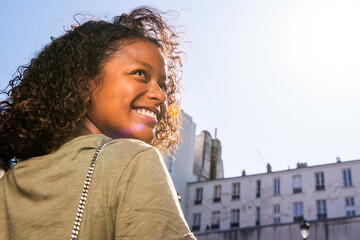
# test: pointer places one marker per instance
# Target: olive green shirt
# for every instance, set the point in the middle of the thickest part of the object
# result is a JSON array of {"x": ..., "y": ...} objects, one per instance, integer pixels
[{"x": 131, "y": 194}]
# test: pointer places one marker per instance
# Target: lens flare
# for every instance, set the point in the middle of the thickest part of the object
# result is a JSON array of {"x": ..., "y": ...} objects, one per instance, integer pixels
[{"x": 139, "y": 127}]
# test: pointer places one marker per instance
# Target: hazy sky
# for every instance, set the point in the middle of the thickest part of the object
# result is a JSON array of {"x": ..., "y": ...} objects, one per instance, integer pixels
[{"x": 278, "y": 78}]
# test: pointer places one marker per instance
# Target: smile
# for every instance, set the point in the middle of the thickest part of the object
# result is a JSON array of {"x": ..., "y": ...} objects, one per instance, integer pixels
[{"x": 146, "y": 113}]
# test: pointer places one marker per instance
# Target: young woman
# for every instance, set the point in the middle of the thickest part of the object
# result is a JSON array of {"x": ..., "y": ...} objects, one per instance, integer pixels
[{"x": 99, "y": 81}]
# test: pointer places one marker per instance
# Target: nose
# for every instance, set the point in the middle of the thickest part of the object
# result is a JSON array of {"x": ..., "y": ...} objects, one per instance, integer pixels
[{"x": 156, "y": 93}]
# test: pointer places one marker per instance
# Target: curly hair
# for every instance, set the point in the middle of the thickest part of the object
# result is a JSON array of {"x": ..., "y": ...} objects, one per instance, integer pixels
[{"x": 47, "y": 99}]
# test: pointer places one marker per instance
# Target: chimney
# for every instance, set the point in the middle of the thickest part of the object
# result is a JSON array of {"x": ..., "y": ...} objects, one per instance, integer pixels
[
  {"x": 268, "y": 167},
  {"x": 338, "y": 160},
  {"x": 243, "y": 173},
  {"x": 301, "y": 165}
]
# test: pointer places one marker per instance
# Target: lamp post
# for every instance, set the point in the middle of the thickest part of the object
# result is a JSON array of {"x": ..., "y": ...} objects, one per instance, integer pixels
[{"x": 304, "y": 230}]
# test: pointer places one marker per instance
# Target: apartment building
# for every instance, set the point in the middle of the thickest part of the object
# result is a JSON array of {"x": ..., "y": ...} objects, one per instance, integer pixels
[
  {"x": 197, "y": 158},
  {"x": 276, "y": 202}
]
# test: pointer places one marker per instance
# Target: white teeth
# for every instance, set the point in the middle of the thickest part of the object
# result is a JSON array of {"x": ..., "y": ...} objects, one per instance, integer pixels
[{"x": 146, "y": 113}]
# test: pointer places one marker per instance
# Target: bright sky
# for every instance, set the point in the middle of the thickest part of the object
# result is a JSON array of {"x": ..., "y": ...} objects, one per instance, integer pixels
[{"x": 280, "y": 79}]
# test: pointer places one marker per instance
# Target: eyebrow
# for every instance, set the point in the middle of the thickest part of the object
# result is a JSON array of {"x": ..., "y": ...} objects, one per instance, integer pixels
[
  {"x": 163, "y": 77},
  {"x": 142, "y": 63}
]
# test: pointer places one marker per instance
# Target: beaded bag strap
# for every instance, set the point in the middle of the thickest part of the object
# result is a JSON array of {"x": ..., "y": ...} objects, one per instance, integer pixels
[{"x": 85, "y": 191}]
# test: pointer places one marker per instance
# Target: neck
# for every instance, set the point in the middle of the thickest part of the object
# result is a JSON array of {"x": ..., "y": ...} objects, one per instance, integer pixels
[{"x": 88, "y": 127}]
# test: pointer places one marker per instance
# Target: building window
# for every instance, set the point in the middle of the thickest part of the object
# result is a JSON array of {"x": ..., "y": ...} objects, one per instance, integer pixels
[
  {"x": 198, "y": 195},
  {"x": 276, "y": 186},
  {"x": 258, "y": 188},
  {"x": 235, "y": 191},
  {"x": 350, "y": 206},
  {"x": 196, "y": 222},
  {"x": 235, "y": 218},
  {"x": 319, "y": 181},
  {"x": 350, "y": 213},
  {"x": 276, "y": 213},
  {"x": 298, "y": 212},
  {"x": 215, "y": 220},
  {"x": 257, "y": 220},
  {"x": 217, "y": 193},
  {"x": 347, "y": 177},
  {"x": 297, "y": 184},
  {"x": 321, "y": 209}
]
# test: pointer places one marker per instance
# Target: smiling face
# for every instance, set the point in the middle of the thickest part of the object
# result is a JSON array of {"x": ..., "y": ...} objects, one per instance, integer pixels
[{"x": 131, "y": 100}]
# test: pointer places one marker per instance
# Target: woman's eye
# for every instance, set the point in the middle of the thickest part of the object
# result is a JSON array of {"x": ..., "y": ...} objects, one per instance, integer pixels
[
  {"x": 163, "y": 86},
  {"x": 141, "y": 73}
]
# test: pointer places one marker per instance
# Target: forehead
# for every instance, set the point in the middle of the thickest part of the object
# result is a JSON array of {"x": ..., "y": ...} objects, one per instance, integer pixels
[{"x": 141, "y": 51}]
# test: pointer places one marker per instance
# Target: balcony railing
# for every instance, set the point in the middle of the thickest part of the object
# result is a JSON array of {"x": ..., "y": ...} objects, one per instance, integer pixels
[
  {"x": 217, "y": 199},
  {"x": 235, "y": 197},
  {"x": 234, "y": 224},
  {"x": 297, "y": 190},
  {"x": 321, "y": 216},
  {"x": 215, "y": 226},
  {"x": 299, "y": 219},
  {"x": 320, "y": 187},
  {"x": 198, "y": 201}
]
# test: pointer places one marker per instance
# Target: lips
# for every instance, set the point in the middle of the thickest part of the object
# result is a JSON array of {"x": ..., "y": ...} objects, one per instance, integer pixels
[{"x": 149, "y": 113}]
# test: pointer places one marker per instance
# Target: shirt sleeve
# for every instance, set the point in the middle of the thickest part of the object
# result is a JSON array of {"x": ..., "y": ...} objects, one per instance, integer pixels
[{"x": 147, "y": 204}]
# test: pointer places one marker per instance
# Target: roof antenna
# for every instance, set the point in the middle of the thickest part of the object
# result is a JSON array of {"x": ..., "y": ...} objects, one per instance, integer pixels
[{"x": 261, "y": 157}]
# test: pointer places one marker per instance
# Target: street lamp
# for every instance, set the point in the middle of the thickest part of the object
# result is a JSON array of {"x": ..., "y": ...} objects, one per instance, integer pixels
[{"x": 304, "y": 230}]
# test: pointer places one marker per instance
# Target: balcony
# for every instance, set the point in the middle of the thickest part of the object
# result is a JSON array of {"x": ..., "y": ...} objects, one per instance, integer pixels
[
  {"x": 215, "y": 226},
  {"x": 217, "y": 199},
  {"x": 297, "y": 190},
  {"x": 198, "y": 201},
  {"x": 321, "y": 216},
  {"x": 320, "y": 187},
  {"x": 299, "y": 219},
  {"x": 235, "y": 197},
  {"x": 234, "y": 225}
]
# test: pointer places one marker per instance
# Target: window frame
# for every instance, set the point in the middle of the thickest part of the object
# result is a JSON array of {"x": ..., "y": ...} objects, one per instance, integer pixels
[
  {"x": 276, "y": 183},
  {"x": 257, "y": 216},
  {"x": 258, "y": 188},
  {"x": 347, "y": 178},
  {"x": 350, "y": 208},
  {"x": 198, "y": 195},
  {"x": 321, "y": 209},
  {"x": 319, "y": 181},
  {"x": 297, "y": 184},
  {"x": 217, "y": 193},
  {"x": 276, "y": 213},
  {"x": 196, "y": 222},
  {"x": 235, "y": 192},
  {"x": 215, "y": 220},
  {"x": 298, "y": 211},
  {"x": 234, "y": 218}
]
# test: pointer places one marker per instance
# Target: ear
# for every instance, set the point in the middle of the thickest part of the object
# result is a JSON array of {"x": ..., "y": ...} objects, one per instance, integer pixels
[
  {"x": 92, "y": 88},
  {"x": 88, "y": 100}
]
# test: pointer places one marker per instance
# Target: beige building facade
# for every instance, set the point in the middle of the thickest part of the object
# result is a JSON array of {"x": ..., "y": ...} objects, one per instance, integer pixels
[{"x": 273, "y": 204}]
